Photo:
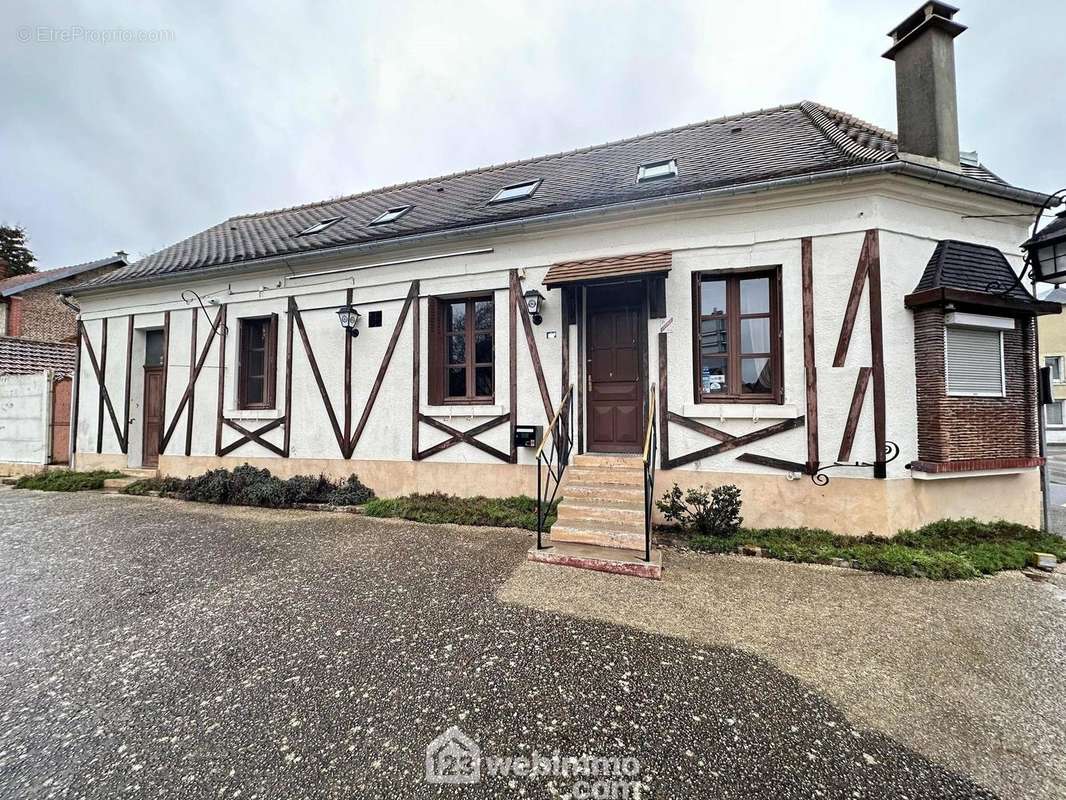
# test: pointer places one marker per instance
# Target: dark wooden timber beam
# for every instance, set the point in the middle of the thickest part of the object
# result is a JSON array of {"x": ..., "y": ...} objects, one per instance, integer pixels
[
  {"x": 531, "y": 344},
  {"x": 163, "y": 389},
  {"x": 129, "y": 379},
  {"x": 775, "y": 463},
  {"x": 337, "y": 433},
  {"x": 288, "y": 385},
  {"x": 194, "y": 375},
  {"x": 192, "y": 382},
  {"x": 858, "y": 396},
  {"x": 852, "y": 308},
  {"x": 416, "y": 372},
  {"x": 699, "y": 427},
  {"x": 877, "y": 349},
  {"x": 101, "y": 389},
  {"x": 468, "y": 436},
  {"x": 457, "y": 436},
  {"x": 253, "y": 436},
  {"x": 412, "y": 298},
  {"x": 219, "y": 412},
  {"x": 105, "y": 396},
  {"x": 512, "y": 359},
  {"x": 810, "y": 368},
  {"x": 738, "y": 441}
]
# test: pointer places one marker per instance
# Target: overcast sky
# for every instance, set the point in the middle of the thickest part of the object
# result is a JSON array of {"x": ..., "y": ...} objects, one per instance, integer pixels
[{"x": 241, "y": 107}]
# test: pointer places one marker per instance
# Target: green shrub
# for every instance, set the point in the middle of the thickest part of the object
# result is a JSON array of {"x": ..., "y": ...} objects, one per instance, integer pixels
[
  {"x": 713, "y": 513},
  {"x": 248, "y": 486},
  {"x": 944, "y": 550},
  {"x": 498, "y": 512},
  {"x": 66, "y": 480}
]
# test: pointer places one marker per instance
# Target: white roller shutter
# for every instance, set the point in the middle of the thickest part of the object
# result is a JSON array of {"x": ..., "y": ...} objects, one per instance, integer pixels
[{"x": 974, "y": 361}]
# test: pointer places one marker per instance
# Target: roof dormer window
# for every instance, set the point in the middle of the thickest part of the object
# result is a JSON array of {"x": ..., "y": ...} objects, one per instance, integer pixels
[
  {"x": 656, "y": 170},
  {"x": 390, "y": 215},
  {"x": 319, "y": 226},
  {"x": 518, "y": 191}
]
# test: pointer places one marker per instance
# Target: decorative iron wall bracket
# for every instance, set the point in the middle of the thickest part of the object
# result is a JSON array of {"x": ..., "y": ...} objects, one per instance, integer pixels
[{"x": 891, "y": 454}]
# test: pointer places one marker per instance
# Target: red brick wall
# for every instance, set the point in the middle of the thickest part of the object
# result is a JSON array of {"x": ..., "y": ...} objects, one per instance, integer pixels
[
  {"x": 43, "y": 317},
  {"x": 974, "y": 428}
]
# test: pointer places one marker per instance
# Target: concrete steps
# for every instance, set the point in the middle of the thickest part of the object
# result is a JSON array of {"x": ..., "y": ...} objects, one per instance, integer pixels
[
  {"x": 116, "y": 485},
  {"x": 600, "y": 559},
  {"x": 602, "y": 508}
]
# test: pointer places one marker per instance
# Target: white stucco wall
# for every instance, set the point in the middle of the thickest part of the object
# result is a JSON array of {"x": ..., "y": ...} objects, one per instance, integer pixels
[
  {"x": 25, "y": 418},
  {"x": 753, "y": 231}
]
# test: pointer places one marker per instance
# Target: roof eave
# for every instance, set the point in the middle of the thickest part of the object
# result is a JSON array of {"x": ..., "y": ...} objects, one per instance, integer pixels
[
  {"x": 944, "y": 295},
  {"x": 920, "y": 171}
]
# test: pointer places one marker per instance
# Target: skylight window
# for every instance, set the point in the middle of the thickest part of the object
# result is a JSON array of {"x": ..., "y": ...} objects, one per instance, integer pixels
[
  {"x": 390, "y": 215},
  {"x": 319, "y": 226},
  {"x": 518, "y": 191},
  {"x": 656, "y": 170}
]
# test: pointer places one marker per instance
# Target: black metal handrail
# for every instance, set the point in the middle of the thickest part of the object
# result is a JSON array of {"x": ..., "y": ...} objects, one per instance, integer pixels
[
  {"x": 651, "y": 447},
  {"x": 554, "y": 458}
]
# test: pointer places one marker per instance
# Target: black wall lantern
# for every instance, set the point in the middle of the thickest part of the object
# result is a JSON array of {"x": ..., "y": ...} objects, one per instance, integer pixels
[
  {"x": 349, "y": 319},
  {"x": 533, "y": 300},
  {"x": 1047, "y": 252}
]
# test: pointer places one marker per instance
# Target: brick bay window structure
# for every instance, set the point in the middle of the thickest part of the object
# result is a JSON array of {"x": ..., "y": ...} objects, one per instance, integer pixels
[{"x": 975, "y": 364}]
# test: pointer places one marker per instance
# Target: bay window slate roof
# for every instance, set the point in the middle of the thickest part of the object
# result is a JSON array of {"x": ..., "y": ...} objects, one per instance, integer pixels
[
  {"x": 971, "y": 268},
  {"x": 800, "y": 139},
  {"x": 25, "y": 356}
]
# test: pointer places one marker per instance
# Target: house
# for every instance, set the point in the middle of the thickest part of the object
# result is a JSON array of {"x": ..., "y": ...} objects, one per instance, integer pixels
[
  {"x": 37, "y": 359},
  {"x": 791, "y": 300},
  {"x": 1053, "y": 356}
]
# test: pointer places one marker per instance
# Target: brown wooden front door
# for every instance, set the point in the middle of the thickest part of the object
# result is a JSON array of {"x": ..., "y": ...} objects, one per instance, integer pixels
[
  {"x": 61, "y": 421},
  {"x": 615, "y": 361},
  {"x": 153, "y": 415}
]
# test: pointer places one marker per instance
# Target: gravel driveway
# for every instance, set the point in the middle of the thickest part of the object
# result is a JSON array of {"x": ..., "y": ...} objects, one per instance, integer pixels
[{"x": 150, "y": 648}]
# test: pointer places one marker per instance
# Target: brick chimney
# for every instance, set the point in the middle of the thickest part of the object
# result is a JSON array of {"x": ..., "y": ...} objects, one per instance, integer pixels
[{"x": 927, "y": 114}]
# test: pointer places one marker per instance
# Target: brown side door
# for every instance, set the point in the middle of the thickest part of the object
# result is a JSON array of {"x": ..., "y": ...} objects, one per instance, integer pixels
[
  {"x": 615, "y": 365},
  {"x": 153, "y": 415},
  {"x": 61, "y": 421}
]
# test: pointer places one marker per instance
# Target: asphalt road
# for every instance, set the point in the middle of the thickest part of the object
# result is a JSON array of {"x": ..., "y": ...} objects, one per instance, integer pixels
[{"x": 150, "y": 648}]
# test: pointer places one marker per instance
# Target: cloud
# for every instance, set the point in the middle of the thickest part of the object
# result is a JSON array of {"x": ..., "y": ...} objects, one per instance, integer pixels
[{"x": 137, "y": 145}]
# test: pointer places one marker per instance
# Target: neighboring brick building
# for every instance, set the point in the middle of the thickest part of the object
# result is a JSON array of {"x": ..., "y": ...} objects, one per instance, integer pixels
[{"x": 32, "y": 313}]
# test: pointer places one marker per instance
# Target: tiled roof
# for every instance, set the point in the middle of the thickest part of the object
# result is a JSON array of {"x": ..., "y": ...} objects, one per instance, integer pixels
[
  {"x": 25, "y": 356},
  {"x": 21, "y": 283},
  {"x": 597, "y": 268},
  {"x": 795, "y": 140},
  {"x": 1056, "y": 226},
  {"x": 970, "y": 267}
]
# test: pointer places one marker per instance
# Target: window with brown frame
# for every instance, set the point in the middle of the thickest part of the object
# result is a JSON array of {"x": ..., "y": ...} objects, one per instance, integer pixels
[
  {"x": 462, "y": 332},
  {"x": 257, "y": 362},
  {"x": 737, "y": 347}
]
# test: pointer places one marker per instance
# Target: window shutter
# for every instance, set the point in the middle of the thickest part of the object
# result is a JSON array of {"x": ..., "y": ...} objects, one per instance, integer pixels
[
  {"x": 436, "y": 352},
  {"x": 974, "y": 361}
]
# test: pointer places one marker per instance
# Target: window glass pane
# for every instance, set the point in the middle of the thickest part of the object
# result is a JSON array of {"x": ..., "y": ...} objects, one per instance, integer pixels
[
  {"x": 755, "y": 296},
  {"x": 755, "y": 335},
  {"x": 713, "y": 375},
  {"x": 1053, "y": 413},
  {"x": 457, "y": 349},
  {"x": 483, "y": 315},
  {"x": 255, "y": 363},
  {"x": 456, "y": 382},
  {"x": 755, "y": 376},
  {"x": 456, "y": 316},
  {"x": 483, "y": 381},
  {"x": 153, "y": 348},
  {"x": 712, "y": 298},
  {"x": 713, "y": 337},
  {"x": 483, "y": 348},
  {"x": 253, "y": 392}
]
